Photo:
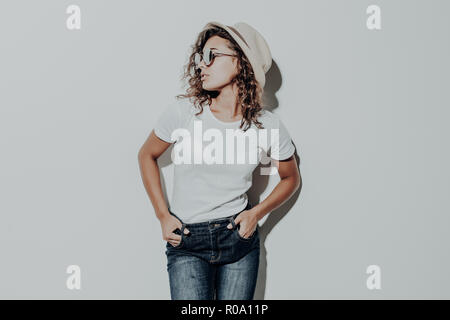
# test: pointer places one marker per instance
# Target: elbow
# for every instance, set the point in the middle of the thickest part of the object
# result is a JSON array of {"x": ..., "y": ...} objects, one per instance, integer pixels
[
  {"x": 294, "y": 180},
  {"x": 142, "y": 155},
  {"x": 297, "y": 181},
  {"x": 298, "y": 184}
]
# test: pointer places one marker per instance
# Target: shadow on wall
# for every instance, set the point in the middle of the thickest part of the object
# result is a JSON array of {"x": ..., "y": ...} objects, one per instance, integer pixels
[
  {"x": 270, "y": 102},
  {"x": 273, "y": 84},
  {"x": 259, "y": 185}
]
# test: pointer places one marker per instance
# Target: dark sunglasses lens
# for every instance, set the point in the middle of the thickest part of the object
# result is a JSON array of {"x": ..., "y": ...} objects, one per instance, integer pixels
[{"x": 208, "y": 56}]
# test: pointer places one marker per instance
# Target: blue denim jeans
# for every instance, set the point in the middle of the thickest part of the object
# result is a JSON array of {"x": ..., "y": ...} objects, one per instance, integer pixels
[{"x": 213, "y": 262}]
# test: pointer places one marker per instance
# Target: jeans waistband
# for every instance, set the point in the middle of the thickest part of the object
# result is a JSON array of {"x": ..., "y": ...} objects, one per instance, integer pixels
[{"x": 206, "y": 224}]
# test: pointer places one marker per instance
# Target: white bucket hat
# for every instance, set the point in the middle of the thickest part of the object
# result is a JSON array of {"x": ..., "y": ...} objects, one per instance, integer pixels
[{"x": 252, "y": 44}]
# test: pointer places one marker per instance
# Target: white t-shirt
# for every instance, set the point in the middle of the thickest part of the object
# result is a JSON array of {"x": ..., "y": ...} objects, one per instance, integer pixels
[{"x": 210, "y": 180}]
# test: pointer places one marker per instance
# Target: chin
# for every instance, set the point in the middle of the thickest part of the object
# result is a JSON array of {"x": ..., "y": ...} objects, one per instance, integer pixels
[{"x": 211, "y": 87}]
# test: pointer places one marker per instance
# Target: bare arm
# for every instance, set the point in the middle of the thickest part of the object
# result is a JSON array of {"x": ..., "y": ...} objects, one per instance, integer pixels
[
  {"x": 289, "y": 183},
  {"x": 150, "y": 151}
]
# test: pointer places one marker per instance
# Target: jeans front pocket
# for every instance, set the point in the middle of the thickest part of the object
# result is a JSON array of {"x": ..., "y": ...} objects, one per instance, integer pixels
[
  {"x": 236, "y": 228},
  {"x": 242, "y": 246},
  {"x": 252, "y": 236},
  {"x": 182, "y": 241}
]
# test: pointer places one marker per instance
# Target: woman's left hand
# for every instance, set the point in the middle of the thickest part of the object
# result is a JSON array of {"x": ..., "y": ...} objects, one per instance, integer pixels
[{"x": 248, "y": 221}]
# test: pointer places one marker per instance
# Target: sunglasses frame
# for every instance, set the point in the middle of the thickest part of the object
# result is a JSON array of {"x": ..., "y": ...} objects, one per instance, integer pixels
[{"x": 198, "y": 57}]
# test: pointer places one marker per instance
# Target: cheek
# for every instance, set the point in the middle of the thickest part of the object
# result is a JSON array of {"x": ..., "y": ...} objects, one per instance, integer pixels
[{"x": 223, "y": 72}]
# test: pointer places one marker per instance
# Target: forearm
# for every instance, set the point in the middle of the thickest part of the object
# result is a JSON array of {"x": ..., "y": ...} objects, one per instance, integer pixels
[
  {"x": 280, "y": 194},
  {"x": 150, "y": 174}
]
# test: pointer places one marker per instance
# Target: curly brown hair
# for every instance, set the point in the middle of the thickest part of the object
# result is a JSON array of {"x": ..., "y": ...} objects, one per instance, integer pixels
[{"x": 249, "y": 90}]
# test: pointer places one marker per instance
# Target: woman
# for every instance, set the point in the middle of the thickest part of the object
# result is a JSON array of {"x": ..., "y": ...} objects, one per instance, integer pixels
[{"x": 211, "y": 229}]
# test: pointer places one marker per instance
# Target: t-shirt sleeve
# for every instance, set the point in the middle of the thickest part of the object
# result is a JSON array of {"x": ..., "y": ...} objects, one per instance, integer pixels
[
  {"x": 170, "y": 119},
  {"x": 281, "y": 146}
]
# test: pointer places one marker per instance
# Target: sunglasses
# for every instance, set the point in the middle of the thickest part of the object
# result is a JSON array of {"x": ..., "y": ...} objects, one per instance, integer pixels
[{"x": 208, "y": 57}]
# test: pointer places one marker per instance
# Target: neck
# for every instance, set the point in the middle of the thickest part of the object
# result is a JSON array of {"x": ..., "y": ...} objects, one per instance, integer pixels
[{"x": 226, "y": 101}]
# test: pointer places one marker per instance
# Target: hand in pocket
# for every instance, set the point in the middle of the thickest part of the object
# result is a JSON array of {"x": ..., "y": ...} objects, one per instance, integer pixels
[{"x": 171, "y": 228}]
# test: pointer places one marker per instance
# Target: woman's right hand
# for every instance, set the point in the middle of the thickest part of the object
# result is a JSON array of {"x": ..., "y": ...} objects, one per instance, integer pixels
[{"x": 168, "y": 225}]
